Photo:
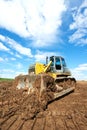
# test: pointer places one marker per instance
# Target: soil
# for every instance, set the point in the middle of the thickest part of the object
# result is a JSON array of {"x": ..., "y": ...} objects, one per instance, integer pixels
[{"x": 20, "y": 111}]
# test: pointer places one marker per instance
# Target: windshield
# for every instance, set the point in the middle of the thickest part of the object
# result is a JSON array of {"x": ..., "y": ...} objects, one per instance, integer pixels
[
  {"x": 63, "y": 62},
  {"x": 52, "y": 59},
  {"x": 58, "y": 61}
]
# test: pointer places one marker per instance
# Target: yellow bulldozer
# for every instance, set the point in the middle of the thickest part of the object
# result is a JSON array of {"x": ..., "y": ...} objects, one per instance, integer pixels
[
  {"x": 47, "y": 81},
  {"x": 44, "y": 83}
]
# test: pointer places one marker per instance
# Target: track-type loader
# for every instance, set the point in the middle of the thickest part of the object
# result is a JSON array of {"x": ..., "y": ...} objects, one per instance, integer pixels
[{"x": 47, "y": 82}]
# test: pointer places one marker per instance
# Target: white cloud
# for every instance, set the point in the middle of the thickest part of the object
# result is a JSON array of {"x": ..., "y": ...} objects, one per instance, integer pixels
[
  {"x": 17, "y": 55},
  {"x": 13, "y": 59},
  {"x": 1, "y": 59},
  {"x": 80, "y": 72},
  {"x": 41, "y": 56},
  {"x": 2, "y": 37},
  {"x": 7, "y": 73},
  {"x": 79, "y": 25},
  {"x": 2, "y": 47},
  {"x": 11, "y": 73},
  {"x": 19, "y": 48},
  {"x": 19, "y": 66},
  {"x": 12, "y": 17},
  {"x": 16, "y": 46},
  {"x": 6, "y": 70},
  {"x": 6, "y": 59},
  {"x": 38, "y": 19}
]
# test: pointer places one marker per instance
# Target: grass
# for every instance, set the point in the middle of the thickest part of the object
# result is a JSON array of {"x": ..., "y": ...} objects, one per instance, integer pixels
[{"x": 6, "y": 79}]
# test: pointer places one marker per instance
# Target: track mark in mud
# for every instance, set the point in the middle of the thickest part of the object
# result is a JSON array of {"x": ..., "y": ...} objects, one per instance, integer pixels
[
  {"x": 80, "y": 121},
  {"x": 9, "y": 123},
  {"x": 50, "y": 124},
  {"x": 17, "y": 124},
  {"x": 59, "y": 123},
  {"x": 69, "y": 123},
  {"x": 83, "y": 117},
  {"x": 39, "y": 124},
  {"x": 3, "y": 120},
  {"x": 33, "y": 123},
  {"x": 28, "y": 125},
  {"x": 52, "y": 113}
]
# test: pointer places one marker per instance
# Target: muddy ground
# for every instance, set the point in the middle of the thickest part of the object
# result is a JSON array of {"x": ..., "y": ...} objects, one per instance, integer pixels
[{"x": 67, "y": 113}]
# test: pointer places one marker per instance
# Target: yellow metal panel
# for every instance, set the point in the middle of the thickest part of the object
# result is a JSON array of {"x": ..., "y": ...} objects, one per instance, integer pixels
[
  {"x": 48, "y": 65},
  {"x": 39, "y": 68},
  {"x": 52, "y": 74}
]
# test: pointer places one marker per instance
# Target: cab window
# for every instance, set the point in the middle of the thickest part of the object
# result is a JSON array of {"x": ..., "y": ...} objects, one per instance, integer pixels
[
  {"x": 63, "y": 62},
  {"x": 58, "y": 64}
]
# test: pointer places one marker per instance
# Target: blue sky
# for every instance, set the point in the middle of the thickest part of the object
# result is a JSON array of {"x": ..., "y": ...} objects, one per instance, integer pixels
[{"x": 32, "y": 30}]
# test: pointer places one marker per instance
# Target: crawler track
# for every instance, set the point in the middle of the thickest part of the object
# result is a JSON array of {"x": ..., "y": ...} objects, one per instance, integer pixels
[{"x": 66, "y": 82}]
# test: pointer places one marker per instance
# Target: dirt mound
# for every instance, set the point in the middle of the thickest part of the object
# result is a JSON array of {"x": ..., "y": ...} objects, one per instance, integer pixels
[
  {"x": 28, "y": 101},
  {"x": 18, "y": 108},
  {"x": 17, "y": 101}
]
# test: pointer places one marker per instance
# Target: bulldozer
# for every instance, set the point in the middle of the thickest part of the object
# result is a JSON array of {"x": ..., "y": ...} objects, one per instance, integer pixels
[
  {"x": 44, "y": 83},
  {"x": 52, "y": 79}
]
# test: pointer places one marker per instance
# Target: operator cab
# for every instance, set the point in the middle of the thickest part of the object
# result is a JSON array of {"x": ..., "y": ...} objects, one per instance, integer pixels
[{"x": 58, "y": 64}]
